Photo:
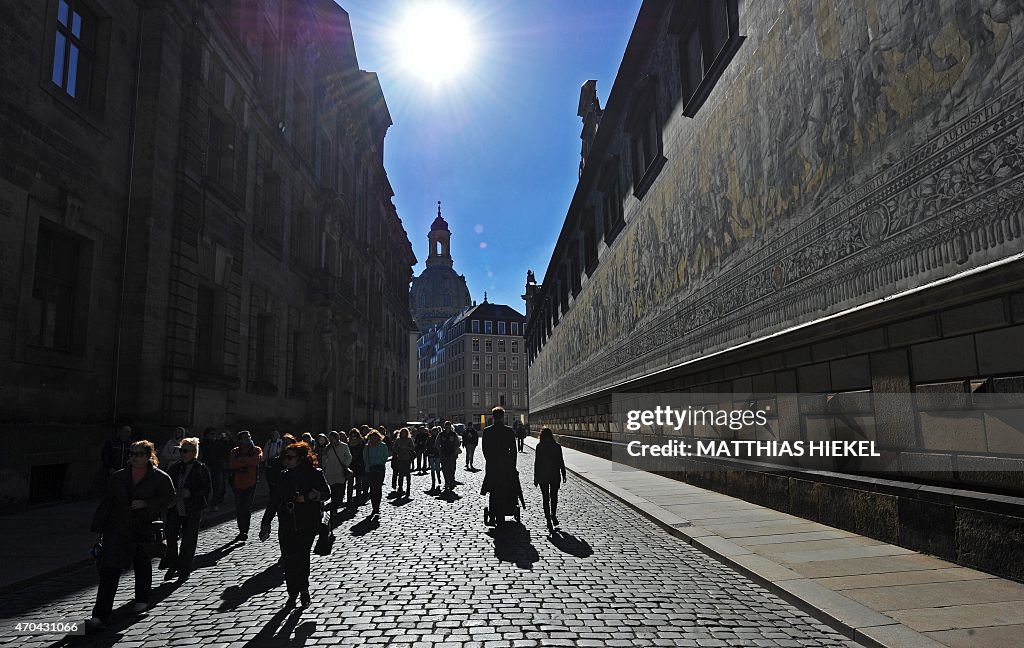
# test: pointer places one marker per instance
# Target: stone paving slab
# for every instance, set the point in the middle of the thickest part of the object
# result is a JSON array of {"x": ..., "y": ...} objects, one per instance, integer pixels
[{"x": 860, "y": 585}]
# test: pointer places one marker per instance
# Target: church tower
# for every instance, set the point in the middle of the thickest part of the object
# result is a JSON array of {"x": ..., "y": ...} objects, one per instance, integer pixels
[
  {"x": 439, "y": 292},
  {"x": 440, "y": 238}
]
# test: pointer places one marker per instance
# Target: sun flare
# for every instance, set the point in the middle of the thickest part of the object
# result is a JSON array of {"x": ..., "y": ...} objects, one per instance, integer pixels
[{"x": 434, "y": 43}]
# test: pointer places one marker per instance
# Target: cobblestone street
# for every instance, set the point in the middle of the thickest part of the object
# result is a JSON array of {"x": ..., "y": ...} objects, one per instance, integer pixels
[{"x": 431, "y": 574}]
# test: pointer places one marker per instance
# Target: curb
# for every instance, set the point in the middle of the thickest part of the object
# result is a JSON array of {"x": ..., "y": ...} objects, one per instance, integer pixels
[
  {"x": 875, "y": 630},
  {"x": 219, "y": 518}
]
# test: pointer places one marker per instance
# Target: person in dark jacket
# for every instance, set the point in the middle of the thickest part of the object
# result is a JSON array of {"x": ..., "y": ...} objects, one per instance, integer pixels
[
  {"x": 549, "y": 473},
  {"x": 499, "y": 448},
  {"x": 296, "y": 501},
  {"x": 135, "y": 496},
  {"x": 358, "y": 467},
  {"x": 192, "y": 481},
  {"x": 115, "y": 451},
  {"x": 215, "y": 452}
]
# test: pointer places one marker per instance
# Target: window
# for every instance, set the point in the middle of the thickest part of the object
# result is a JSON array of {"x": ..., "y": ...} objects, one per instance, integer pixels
[
  {"x": 209, "y": 354},
  {"x": 476, "y": 380},
  {"x": 488, "y": 399},
  {"x": 501, "y": 346},
  {"x": 476, "y": 362},
  {"x": 269, "y": 219},
  {"x": 476, "y": 399},
  {"x": 488, "y": 346},
  {"x": 611, "y": 201},
  {"x": 476, "y": 326},
  {"x": 297, "y": 364},
  {"x": 265, "y": 343},
  {"x": 74, "y": 49},
  {"x": 515, "y": 363},
  {"x": 488, "y": 363},
  {"x": 644, "y": 128},
  {"x": 515, "y": 380},
  {"x": 501, "y": 328},
  {"x": 476, "y": 345},
  {"x": 589, "y": 242},
  {"x": 515, "y": 346},
  {"x": 488, "y": 380},
  {"x": 515, "y": 328},
  {"x": 501, "y": 399},
  {"x": 55, "y": 291},
  {"x": 502, "y": 363},
  {"x": 502, "y": 380},
  {"x": 488, "y": 327},
  {"x": 220, "y": 152},
  {"x": 708, "y": 32}
]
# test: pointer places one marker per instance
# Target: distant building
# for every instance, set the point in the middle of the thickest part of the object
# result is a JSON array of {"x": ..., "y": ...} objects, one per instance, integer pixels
[
  {"x": 473, "y": 362},
  {"x": 810, "y": 208},
  {"x": 196, "y": 229},
  {"x": 438, "y": 292}
]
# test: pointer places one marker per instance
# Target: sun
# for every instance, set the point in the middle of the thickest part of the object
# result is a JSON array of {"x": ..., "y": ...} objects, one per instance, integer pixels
[{"x": 434, "y": 42}]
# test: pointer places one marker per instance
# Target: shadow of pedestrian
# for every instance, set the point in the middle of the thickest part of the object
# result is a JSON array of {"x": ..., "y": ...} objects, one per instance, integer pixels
[
  {"x": 449, "y": 496},
  {"x": 400, "y": 501},
  {"x": 512, "y": 544},
  {"x": 283, "y": 629},
  {"x": 343, "y": 516},
  {"x": 210, "y": 558},
  {"x": 365, "y": 526},
  {"x": 570, "y": 544},
  {"x": 264, "y": 581},
  {"x": 122, "y": 618}
]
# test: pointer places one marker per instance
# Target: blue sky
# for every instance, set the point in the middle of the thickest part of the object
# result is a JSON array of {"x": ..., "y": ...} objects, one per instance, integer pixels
[{"x": 499, "y": 147}]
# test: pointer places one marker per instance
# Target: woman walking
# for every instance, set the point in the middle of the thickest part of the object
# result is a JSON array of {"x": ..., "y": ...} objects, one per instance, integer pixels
[
  {"x": 296, "y": 503},
  {"x": 335, "y": 460},
  {"x": 549, "y": 473},
  {"x": 355, "y": 482},
  {"x": 404, "y": 451},
  {"x": 135, "y": 497},
  {"x": 375, "y": 458},
  {"x": 191, "y": 478},
  {"x": 434, "y": 459}
]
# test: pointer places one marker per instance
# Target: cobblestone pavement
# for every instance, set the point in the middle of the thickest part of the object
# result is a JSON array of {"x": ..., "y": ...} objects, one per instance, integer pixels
[{"x": 432, "y": 575}]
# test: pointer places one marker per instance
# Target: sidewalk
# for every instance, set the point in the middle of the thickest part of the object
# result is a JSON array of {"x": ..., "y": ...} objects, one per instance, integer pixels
[
  {"x": 54, "y": 539},
  {"x": 876, "y": 593}
]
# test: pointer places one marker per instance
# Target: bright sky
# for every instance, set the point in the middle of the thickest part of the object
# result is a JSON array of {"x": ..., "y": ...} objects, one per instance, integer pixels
[{"x": 497, "y": 142}]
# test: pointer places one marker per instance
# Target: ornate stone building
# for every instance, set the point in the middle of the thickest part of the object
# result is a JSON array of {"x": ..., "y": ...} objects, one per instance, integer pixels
[
  {"x": 814, "y": 207},
  {"x": 472, "y": 362},
  {"x": 439, "y": 292},
  {"x": 196, "y": 229}
]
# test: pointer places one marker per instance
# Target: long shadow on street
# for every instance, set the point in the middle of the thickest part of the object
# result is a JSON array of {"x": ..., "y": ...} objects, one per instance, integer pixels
[
  {"x": 512, "y": 544},
  {"x": 264, "y": 581},
  {"x": 570, "y": 544},
  {"x": 283, "y": 629}
]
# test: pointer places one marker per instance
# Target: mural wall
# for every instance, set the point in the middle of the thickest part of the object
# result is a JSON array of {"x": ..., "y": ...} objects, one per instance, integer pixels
[{"x": 851, "y": 150}]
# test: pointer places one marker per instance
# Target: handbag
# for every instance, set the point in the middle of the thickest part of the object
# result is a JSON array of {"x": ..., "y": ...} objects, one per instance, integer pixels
[
  {"x": 151, "y": 537},
  {"x": 325, "y": 541}
]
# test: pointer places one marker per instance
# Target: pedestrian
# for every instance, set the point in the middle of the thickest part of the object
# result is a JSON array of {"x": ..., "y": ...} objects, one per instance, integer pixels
[
  {"x": 297, "y": 504},
  {"x": 448, "y": 448},
  {"x": 114, "y": 454},
  {"x": 355, "y": 483},
  {"x": 215, "y": 452},
  {"x": 470, "y": 439},
  {"x": 335, "y": 461},
  {"x": 244, "y": 464},
  {"x": 134, "y": 498},
  {"x": 169, "y": 453},
  {"x": 321, "y": 444},
  {"x": 420, "y": 437},
  {"x": 390, "y": 436},
  {"x": 434, "y": 459},
  {"x": 521, "y": 434},
  {"x": 375, "y": 458},
  {"x": 192, "y": 483},
  {"x": 275, "y": 465},
  {"x": 498, "y": 443},
  {"x": 404, "y": 449},
  {"x": 307, "y": 438},
  {"x": 549, "y": 473},
  {"x": 272, "y": 448}
]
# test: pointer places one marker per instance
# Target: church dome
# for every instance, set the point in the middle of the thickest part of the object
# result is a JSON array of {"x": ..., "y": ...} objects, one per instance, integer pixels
[{"x": 437, "y": 294}]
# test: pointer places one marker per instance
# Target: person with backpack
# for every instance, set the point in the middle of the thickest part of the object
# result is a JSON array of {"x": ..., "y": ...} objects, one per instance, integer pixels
[
  {"x": 421, "y": 437},
  {"x": 448, "y": 448},
  {"x": 335, "y": 459},
  {"x": 470, "y": 439},
  {"x": 404, "y": 450}
]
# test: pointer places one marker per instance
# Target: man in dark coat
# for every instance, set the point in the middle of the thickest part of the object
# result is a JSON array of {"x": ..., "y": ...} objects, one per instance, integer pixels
[
  {"x": 499, "y": 448},
  {"x": 115, "y": 450}
]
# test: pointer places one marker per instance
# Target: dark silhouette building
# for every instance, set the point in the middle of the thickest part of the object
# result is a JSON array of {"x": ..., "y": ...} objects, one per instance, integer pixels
[
  {"x": 197, "y": 230},
  {"x": 438, "y": 292}
]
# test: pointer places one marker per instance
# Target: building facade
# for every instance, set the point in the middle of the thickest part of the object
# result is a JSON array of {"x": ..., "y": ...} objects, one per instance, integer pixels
[
  {"x": 197, "y": 230},
  {"x": 473, "y": 362},
  {"x": 808, "y": 206}
]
